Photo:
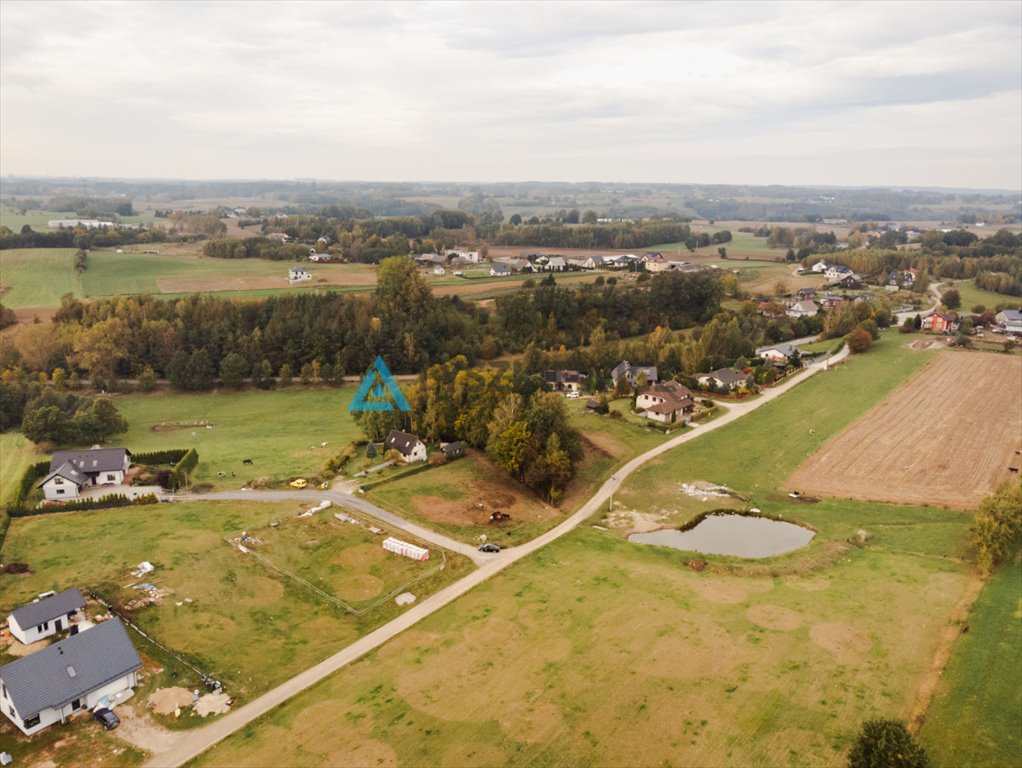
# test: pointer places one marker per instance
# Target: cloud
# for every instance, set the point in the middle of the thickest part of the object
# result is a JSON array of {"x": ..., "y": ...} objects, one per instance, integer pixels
[{"x": 494, "y": 91}]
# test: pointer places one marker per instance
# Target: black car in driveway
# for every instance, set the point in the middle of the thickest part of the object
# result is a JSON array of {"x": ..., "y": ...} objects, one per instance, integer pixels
[
  {"x": 106, "y": 718},
  {"x": 491, "y": 547}
]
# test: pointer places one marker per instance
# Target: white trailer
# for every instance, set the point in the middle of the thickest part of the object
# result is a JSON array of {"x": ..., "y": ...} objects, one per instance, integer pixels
[{"x": 399, "y": 547}]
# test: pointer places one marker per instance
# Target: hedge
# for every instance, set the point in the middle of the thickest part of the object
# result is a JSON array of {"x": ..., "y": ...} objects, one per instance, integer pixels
[
  {"x": 187, "y": 463},
  {"x": 32, "y": 475},
  {"x": 169, "y": 456},
  {"x": 103, "y": 502}
]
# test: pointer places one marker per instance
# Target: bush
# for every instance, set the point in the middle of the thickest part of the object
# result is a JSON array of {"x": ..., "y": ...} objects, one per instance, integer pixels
[
  {"x": 997, "y": 525},
  {"x": 859, "y": 341},
  {"x": 886, "y": 744}
]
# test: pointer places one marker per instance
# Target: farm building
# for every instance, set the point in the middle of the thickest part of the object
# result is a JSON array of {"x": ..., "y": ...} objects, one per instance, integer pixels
[
  {"x": 79, "y": 673},
  {"x": 70, "y": 471},
  {"x": 453, "y": 450},
  {"x": 399, "y": 547},
  {"x": 565, "y": 381},
  {"x": 1010, "y": 320},
  {"x": 46, "y": 616},
  {"x": 667, "y": 402},
  {"x": 409, "y": 446}
]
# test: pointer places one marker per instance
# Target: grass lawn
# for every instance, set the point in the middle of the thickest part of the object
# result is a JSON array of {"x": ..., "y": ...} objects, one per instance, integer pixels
[
  {"x": 16, "y": 453},
  {"x": 821, "y": 347},
  {"x": 971, "y": 296},
  {"x": 599, "y": 652},
  {"x": 281, "y": 431},
  {"x": 246, "y": 623},
  {"x": 976, "y": 716},
  {"x": 37, "y": 277}
]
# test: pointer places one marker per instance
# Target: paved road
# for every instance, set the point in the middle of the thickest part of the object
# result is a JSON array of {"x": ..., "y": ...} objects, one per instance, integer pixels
[
  {"x": 194, "y": 743},
  {"x": 311, "y": 496},
  {"x": 935, "y": 292}
]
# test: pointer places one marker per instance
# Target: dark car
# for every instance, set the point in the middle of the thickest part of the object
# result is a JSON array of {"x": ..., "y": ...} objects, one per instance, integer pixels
[
  {"x": 490, "y": 548},
  {"x": 106, "y": 718}
]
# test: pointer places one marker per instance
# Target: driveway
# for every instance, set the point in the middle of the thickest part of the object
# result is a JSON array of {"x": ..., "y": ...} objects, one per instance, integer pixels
[
  {"x": 193, "y": 743},
  {"x": 353, "y": 500}
]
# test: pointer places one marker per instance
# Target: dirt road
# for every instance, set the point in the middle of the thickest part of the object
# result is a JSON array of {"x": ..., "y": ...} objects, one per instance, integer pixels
[{"x": 193, "y": 743}]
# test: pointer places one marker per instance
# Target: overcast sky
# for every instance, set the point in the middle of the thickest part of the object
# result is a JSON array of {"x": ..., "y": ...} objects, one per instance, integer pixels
[{"x": 874, "y": 93}]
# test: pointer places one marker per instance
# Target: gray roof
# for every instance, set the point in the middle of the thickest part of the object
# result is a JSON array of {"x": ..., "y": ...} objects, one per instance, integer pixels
[
  {"x": 68, "y": 472},
  {"x": 92, "y": 460},
  {"x": 784, "y": 348},
  {"x": 402, "y": 441},
  {"x": 1012, "y": 315},
  {"x": 728, "y": 376},
  {"x": 70, "y": 669},
  {"x": 48, "y": 608}
]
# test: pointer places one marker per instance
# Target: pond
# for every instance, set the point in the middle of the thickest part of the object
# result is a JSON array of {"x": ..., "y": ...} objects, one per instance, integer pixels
[{"x": 730, "y": 534}]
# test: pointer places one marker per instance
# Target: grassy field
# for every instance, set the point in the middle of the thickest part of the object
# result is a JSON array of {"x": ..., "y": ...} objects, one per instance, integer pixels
[
  {"x": 599, "y": 652},
  {"x": 39, "y": 220},
  {"x": 757, "y": 454},
  {"x": 16, "y": 453},
  {"x": 976, "y": 717},
  {"x": 280, "y": 431},
  {"x": 232, "y": 615},
  {"x": 973, "y": 296},
  {"x": 37, "y": 277}
]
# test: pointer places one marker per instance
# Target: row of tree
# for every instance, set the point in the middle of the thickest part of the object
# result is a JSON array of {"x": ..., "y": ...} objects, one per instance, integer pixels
[{"x": 47, "y": 415}]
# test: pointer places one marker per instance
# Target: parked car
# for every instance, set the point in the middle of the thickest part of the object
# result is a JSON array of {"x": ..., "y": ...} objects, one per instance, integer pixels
[
  {"x": 491, "y": 547},
  {"x": 106, "y": 718},
  {"x": 300, "y": 483},
  {"x": 574, "y": 394}
]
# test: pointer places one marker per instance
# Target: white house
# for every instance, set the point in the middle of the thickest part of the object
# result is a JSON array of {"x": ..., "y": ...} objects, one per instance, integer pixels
[
  {"x": 837, "y": 272},
  {"x": 320, "y": 257},
  {"x": 778, "y": 353},
  {"x": 409, "y": 446},
  {"x": 722, "y": 378},
  {"x": 820, "y": 267},
  {"x": 70, "y": 471},
  {"x": 667, "y": 402},
  {"x": 78, "y": 673},
  {"x": 555, "y": 264},
  {"x": 439, "y": 271},
  {"x": 46, "y": 616},
  {"x": 500, "y": 270},
  {"x": 472, "y": 257},
  {"x": 803, "y": 308},
  {"x": 298, "y": 275}
]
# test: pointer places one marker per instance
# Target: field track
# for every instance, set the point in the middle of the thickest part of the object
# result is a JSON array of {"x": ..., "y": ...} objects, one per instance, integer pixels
[{"x": 946, "y": 437}]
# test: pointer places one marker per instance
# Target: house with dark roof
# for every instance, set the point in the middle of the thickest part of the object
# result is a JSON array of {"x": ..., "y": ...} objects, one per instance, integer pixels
[
  {"x": 46, "y": 616},
  {"x": 667, "y": 402},
  {"x": 454, "y": 450},
  {"x": 722, "y": 378},
  {"x": 1010, "y": 320},
  {"x": 79, "y": 673},
  {"x": 409, "y": 446},
  {"x": 500, "y": 270},
  {"x": 631, "y": 373},
  {"x": 70, "y": 471},
  {"x": 565, "y": 381}
]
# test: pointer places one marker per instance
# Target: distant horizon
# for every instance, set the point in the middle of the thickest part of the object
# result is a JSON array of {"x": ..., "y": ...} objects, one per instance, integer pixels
[{"x": 498, "y": 182}]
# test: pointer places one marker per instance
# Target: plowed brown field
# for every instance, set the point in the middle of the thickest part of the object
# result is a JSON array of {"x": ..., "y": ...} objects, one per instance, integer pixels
[{"x": 946, "y": 437}]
